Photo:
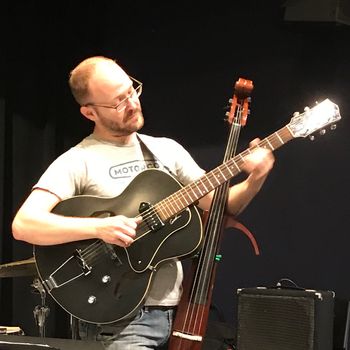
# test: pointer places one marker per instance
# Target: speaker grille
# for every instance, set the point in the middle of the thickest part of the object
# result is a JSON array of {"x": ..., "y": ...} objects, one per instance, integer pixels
[{"x": 268, "y": 322}]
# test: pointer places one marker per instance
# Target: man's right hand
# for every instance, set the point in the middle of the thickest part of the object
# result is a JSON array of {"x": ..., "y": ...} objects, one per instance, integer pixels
[{"x": 119, "y": 230}]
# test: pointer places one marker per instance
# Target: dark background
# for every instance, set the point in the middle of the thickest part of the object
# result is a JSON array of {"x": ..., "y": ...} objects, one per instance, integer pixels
[{"x": 189, "y": 56}]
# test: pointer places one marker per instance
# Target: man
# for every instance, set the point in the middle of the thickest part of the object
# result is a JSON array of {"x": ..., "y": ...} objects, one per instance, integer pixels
[{"x": 110, "y": 99}]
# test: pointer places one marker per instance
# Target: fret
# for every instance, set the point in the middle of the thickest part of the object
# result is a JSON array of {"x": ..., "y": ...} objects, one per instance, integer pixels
[
  {"x": 221, "y": 173},
  {"x": 282, "y": 143},
  {"x": 217, "y": 177},
  {"x": 240, "y": 156},
  {"x": 197, "y": 187},
  {"x": 290, "y": 134},
  {"x": 270, "y": 145},
  {"x": 206, "y": 189},
  {"x": 185, "y": 199}
]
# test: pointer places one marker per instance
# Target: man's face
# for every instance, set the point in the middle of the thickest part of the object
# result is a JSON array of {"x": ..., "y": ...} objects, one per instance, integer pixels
[{"x": 119, "y": 110}]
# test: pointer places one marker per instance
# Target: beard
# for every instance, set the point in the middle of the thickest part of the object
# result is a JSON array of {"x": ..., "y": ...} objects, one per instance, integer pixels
[{"x": 129, "y": 124}]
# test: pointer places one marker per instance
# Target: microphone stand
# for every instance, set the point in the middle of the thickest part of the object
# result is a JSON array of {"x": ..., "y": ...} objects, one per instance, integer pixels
[{"x": 41, "y": 312}]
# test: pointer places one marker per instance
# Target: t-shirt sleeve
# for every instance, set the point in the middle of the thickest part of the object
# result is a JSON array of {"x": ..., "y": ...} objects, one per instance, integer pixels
[{"x": 65, "y": 176}]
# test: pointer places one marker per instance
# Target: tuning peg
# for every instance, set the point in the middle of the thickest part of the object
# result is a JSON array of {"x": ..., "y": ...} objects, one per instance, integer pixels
[
  {"x": 312, "y": 137},
  {"x": 333, "y": 126},
  {"x": 227, "y": 114},
  {"x": 295, "y": 114},
  {"x": 306, "y": 109},
  {"x": 322, "y": 132}
]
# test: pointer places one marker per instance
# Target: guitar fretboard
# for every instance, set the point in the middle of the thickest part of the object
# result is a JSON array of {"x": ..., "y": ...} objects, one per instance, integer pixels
[{"x": 189, "y": 194}]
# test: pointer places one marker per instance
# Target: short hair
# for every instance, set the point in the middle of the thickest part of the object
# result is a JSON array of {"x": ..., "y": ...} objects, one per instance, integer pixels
[{"x": 80, "y": 76}]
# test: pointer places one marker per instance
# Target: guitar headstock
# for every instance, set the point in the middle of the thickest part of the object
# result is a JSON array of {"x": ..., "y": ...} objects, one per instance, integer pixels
[{"x": 314, "y": 119}]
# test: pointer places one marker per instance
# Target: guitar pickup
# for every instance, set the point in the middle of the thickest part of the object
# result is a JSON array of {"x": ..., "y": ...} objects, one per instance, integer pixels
[
  {"x": 150, "y": 216},
  {"x": 109, "y": 249}
]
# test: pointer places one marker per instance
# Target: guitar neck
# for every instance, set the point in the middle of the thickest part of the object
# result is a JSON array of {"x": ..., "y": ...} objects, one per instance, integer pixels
[{"x": 194, "y": 191}]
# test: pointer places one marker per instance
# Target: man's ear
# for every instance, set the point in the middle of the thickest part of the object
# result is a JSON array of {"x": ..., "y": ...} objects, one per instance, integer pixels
[{"x": 88, "y": 113}]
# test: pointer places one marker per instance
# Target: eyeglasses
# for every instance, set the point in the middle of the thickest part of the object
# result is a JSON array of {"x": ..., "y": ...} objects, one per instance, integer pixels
[{"x": 136, "y": 91}]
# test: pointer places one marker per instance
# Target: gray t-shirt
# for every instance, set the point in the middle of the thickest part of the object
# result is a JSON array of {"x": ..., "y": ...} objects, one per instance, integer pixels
[{"x": 105, "y": 169}]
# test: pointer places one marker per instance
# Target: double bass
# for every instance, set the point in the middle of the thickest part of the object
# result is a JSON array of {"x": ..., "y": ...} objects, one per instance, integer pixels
[{"x": 191, "y": 319}]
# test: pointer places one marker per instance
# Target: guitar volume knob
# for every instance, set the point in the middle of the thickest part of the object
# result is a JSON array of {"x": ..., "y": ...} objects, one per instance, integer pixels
[
  {"x": 92, "y": 299},
  {"x": 106, "y": 279}
]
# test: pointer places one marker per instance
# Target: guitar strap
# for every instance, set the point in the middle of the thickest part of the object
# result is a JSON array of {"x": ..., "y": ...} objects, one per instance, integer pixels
[{"x": 149, "y": 155}]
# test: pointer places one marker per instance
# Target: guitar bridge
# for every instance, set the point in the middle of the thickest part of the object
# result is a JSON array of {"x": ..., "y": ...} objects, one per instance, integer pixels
[
  {"x": 150, "y": 216},
  {"x": 71, "y": 269}
]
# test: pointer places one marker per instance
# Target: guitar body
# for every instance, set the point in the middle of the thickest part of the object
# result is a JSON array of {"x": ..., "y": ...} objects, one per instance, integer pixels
[{"x": 102, "y": 283}]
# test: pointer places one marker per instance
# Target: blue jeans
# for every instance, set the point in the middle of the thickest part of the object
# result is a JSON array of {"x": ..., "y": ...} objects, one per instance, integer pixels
[{"x": 149, "y": 329}]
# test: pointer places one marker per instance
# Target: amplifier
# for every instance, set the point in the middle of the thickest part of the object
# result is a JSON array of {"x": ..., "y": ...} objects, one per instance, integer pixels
[{"x": 288, "y": 319}]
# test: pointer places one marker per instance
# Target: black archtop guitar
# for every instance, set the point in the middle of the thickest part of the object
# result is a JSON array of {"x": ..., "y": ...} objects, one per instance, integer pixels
[{"x": 103, "y": 283}]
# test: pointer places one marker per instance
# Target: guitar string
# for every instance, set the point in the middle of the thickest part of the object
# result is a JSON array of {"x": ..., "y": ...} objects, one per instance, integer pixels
[
  {"x": 176, "y": 197},
  {"x": 92, "y": 253},
  {"x": 215, "y": 174},
  {"x": 192, "y": 188},
  {"x": 163, "y": 206}
]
